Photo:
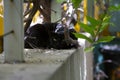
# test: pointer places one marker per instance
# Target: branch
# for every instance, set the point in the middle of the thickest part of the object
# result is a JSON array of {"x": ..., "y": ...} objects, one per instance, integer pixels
[
  {"x": 26, "y": 1},
  {"x": 27, "y": 11},
  {"x": 31, "y": 15},
  {"x": 67, "y": 19},
  {"x": 68, "y": 39}
]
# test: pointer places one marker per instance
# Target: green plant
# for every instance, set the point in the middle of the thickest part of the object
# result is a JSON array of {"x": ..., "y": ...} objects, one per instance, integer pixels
[{"x": 94, "y": 28}]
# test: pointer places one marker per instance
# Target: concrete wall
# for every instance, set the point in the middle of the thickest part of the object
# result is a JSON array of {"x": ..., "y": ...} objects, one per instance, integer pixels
[
  {"x": 13, "y": 22},
  {"x": 44, "y": 65},
  {"x": 70, "y": 69},
  {"x": 72, "y": 64},
  {"x": 40, "y": 64},
  {"x": 86, "y": 60}
]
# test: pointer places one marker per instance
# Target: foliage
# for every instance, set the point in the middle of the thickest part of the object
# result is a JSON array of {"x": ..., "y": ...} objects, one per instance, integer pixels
[
  {"x": 76, "y": 3},
  {"x": 60, "y": 0},
  {"x": 94, "y": 28},
  {"x": 114, "y": 8}
]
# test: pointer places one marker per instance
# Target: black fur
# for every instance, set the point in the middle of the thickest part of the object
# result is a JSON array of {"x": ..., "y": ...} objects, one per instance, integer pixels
[{"x": 44, "y": 36}]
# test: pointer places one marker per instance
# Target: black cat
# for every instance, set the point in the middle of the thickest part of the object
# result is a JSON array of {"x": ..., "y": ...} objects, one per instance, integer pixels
[{"x": 47, "y": 36}]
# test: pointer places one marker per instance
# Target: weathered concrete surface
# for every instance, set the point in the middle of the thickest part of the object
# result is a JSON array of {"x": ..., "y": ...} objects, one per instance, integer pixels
[
  {"x": 27, "y": 71},
  {"x": 39, "y": 65}
]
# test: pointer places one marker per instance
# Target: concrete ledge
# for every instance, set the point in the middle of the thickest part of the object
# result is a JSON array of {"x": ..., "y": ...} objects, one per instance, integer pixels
[
  {"x": 43, "y": 65},
  {"x": 72, "y": 64}
]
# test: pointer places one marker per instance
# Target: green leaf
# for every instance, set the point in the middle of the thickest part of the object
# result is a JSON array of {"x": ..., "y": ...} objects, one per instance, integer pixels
[
  {"x": 60, "y": 1},
  {"x": 93, "y": 21},
  {"x": 103, "y": 26},
  {"x": 76, "y": 3},
  {"x": 79, "y": 35},
  {"x": 114, "y": 8},
  {"x": 105, "y": 23},
  {"x": 89, "y": 49},
  {"x": 87, "y": 28},
  {"x": 105, "y": 39},
  {"x": 106, "y": 18}
]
